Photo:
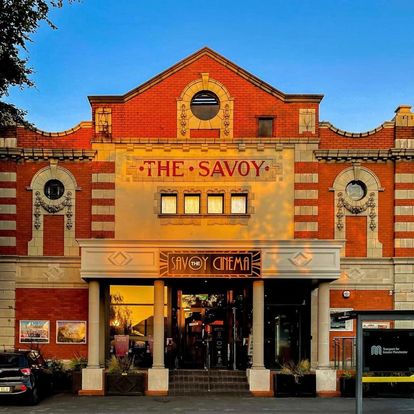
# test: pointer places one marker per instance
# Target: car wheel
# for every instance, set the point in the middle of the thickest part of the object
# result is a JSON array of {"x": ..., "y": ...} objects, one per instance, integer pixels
[{"x": 34, "y": 397}]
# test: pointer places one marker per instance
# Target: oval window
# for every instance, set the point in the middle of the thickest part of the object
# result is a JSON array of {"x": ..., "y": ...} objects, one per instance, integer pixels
[
  {"x": 54, "y": 189},
  {"x": 205, "y": 105},
  {"x": 356, "y": 190}
]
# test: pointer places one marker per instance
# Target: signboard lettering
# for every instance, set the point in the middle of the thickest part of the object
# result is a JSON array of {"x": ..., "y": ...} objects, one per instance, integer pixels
[
  {"x": 210, "y": 264},
  {"x": 196, "y": 169}
]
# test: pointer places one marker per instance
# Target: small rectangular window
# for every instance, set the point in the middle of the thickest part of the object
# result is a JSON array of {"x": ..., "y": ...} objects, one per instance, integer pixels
[
  {"x": 192, "y": 204},
  {"x": 168, "y": 204},
  {"x": 215, "y": 204},
  {"x": 265, "y": 127},
  {"x": 239, "y": 204}
]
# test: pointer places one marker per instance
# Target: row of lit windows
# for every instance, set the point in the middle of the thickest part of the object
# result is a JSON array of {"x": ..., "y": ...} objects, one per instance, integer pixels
[{"x": 215, "y": 204}]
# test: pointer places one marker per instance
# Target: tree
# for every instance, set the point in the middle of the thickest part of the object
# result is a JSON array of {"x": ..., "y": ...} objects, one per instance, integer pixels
[{"x": 19, "y": 19}]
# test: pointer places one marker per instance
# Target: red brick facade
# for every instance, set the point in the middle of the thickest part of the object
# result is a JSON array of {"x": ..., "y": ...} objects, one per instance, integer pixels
[
  {"x": 53, "y": 305},
  {"x": 148, "y": 115}
]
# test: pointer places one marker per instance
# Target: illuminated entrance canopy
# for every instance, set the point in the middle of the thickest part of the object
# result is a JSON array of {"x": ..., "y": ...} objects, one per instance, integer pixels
[
  {"x": 210, "y": 264},
  {"x": 287, "y": 259}
]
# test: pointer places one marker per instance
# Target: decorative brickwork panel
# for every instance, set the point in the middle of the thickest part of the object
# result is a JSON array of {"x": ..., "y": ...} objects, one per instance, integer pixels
[
  {"x": 53, "y": 236},
  {"x": 356, "y": 236}
]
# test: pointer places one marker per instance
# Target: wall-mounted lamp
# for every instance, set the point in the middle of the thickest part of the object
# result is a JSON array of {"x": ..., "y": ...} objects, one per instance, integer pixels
[{"x": 346, "y": 294}]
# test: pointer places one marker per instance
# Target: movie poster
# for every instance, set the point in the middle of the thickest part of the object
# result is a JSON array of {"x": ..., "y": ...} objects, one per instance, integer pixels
[
  {"x": 71, "y": 332},
  {"x": 34, "y": 332}
]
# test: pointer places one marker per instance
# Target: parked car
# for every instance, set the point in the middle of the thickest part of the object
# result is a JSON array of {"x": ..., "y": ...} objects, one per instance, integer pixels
[{"x": 24, "y": 375}]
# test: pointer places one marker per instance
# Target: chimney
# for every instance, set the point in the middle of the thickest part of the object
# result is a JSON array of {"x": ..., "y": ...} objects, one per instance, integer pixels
[{"x": 403, "y": 116}]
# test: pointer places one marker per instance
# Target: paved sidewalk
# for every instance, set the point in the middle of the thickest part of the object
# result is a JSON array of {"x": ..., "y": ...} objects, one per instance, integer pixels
[{"x": 66, "y": 403}]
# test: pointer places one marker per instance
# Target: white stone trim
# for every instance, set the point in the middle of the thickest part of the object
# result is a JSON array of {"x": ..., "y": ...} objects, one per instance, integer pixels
[
  {"x": 404, "y": 210},
  {"x": 7, "y": 193},
  {"x": 306, "y": 210},
  {"x": 8, "y": 142},
  {"x": 306, "y": 178},
  {"x": 7, "y": 208},
  {"x": 186, "y": 120},
  {"x": 105, "y": 194},
  {"x": 7, "y": 225},
  {"x": 404, "y": 194},
  {"x": 306, "y": 226},
  {"x": 103, "y": 210},
  {"x": 306, "y": 194},
  {"x": 404, "y": 226},
  {"x": 304, "y": 152},
  {"x": 7, "y": 176},
  {"x": 103, "y": 178},
  {"x": 35, "y": 246},
  {"x": 374, "y": 247},
  {"x": 404, "y": 143},
  {"x": 307, "y": 120},
  {"x": 7, "y": 241},
  {"x": 404, "y": 243},
  {"x": 289, "y": 259},
  {"x": 103, "y": 226},
  {"x": 404, "y": 178}
]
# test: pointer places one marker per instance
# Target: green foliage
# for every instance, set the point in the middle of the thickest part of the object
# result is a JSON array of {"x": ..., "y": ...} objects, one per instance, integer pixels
[
  {"x": 78, "y": 362},
  {"x": 348, "y": 374},
  {"x": 117, "y": 365},
  {"x": 19, "y": 19},
  {"x": 56, "y": 365},
  {"x": 300, "y": 369}
]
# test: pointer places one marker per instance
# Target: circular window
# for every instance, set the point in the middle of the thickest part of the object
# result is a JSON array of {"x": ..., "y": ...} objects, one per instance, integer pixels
[
  {"x": 205, "y": 105},
  {"x": 54, "y": 189},
  {"x": 356, "y": 190}
]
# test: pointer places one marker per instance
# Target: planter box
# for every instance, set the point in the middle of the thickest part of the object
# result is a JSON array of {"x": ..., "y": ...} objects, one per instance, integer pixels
[
  {"x": 347, "y": 386},
  {"x": 286, "y": 385},
  {"x": 76, "y": 381},
  {"x": 129, "y": 384},
  {"x": 62, "y": 382}
]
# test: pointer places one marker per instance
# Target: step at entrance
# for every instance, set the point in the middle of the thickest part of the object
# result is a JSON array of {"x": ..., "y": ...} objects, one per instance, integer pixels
[{"x": 203, "y": 382}]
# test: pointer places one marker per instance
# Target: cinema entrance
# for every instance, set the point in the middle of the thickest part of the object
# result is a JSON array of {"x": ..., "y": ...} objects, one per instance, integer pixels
[
  {"x": 209, "y": 316},
  {"x": 211, "y": 325}
]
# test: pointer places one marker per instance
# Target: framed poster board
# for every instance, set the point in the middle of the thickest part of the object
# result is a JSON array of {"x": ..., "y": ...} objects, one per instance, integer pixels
[
  {"x": 34, "y": 331},
  {"x": 71, "y": 332}
]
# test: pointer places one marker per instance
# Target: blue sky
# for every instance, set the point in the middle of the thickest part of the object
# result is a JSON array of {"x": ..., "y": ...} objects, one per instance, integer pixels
[{"x": 359, "y": 54}]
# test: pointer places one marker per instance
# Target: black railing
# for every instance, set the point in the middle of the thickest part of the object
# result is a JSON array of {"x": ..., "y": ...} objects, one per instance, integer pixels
[{"x": 344, "y": 352}]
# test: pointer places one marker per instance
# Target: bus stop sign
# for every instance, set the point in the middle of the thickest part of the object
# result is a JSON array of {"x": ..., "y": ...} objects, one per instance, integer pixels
[{"x": 388, "y": 350}]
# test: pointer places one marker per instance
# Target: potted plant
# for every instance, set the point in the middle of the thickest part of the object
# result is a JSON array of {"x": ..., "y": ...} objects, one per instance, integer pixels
[
  {"x": 121, "y": 379},
  {"x": 60, "y": 377},
  {"x": 347, "y": 384},
  {"x": 295, "y": 380},
  {"x": 76, "y": 364}
]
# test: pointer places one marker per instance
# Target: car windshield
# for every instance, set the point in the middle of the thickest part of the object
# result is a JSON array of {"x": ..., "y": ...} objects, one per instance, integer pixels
[{"x": 13, "y": 361}]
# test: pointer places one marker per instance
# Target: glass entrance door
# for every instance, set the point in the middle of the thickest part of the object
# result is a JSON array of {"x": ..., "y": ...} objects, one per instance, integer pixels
[
  {"x": 283, "y": 335},
  {"x": 204, "y": 326}
]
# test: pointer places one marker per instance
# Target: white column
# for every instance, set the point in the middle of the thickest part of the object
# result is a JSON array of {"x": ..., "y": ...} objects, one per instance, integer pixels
[
  {"x": 158, "y": 375},
  {"x": 93, "y": 322},
  {"x": 93, "y": 375},
  {"x": 323, "y": 325},
  {"x": 325, "y": 377},
  {"x": 258, "y": 376},
  {"x": 258, "y": 324},
  {"x": 158, "y": 348}
]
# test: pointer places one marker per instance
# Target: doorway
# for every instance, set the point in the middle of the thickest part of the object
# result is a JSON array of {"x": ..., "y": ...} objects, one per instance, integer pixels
[{"x": 210, "y": 327}]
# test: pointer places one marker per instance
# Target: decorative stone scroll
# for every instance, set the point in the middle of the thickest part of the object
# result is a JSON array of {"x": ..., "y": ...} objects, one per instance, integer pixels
[{"x": 356, "y": 209}]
